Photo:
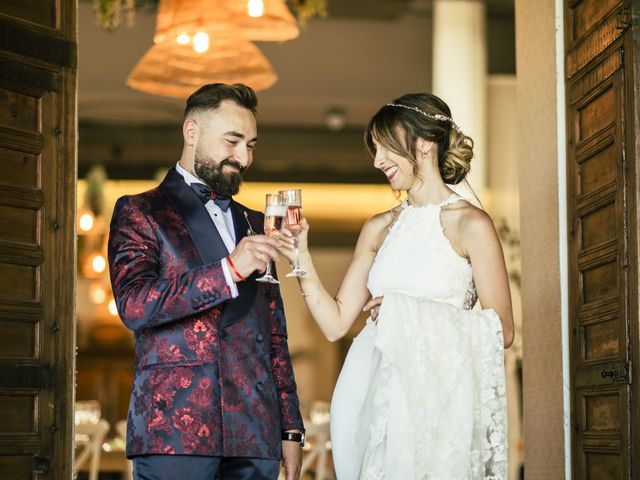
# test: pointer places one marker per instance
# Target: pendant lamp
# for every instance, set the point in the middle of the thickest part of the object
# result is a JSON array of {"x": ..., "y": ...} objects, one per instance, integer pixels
[
  {"x": 174, "y": 70},
  {"x": 181, "y": 20}
]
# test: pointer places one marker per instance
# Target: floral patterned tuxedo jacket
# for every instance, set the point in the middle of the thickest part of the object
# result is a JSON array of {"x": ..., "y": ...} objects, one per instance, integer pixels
[{"x": 212, "y": 373}]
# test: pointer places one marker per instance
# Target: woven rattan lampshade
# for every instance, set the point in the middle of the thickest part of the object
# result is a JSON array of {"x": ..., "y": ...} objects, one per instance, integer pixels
[
  {"x": 174, "y": 70},
  {"x": 224, "y": 19}
]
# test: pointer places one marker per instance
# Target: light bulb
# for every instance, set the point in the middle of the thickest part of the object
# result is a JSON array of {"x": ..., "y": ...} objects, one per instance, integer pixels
[
  {"x": 201, "y": 42},
  {"x": 113, "y": 310},
  {"x": 86, "y": 222},
  {"x": 182, "y": 38},
  {"x": 98, "y": 264},
  {"x": 255, "y": 8},
  {"x": 98, "y": 294}
]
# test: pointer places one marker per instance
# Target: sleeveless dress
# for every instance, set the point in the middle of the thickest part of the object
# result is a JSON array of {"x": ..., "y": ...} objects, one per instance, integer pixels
[{"x": 421, "y": 394}]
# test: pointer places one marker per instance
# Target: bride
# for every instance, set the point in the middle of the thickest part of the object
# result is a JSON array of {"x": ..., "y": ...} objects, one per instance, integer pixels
[{"x": 421, "y": 394}]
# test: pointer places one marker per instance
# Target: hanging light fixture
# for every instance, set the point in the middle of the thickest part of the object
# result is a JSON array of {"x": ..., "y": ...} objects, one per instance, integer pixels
[
  {"x": 263, "y": 20},
  {"x": 174, "y": 70},
  {"x": 196, "y": 44}
]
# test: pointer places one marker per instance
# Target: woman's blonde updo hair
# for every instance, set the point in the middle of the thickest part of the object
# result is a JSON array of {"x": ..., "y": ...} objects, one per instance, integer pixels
[{"x": 399, "y": 125}]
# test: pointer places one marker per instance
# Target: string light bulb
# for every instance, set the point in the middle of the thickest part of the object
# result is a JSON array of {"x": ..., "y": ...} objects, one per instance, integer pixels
[
  {"x": 183, "y": 38},
  {"x": 97, "y": 294},
  {"x": 98, "y": 263},
  {"x": 201, "y": 42},
  {"x": 86, "y": 222},
  {"x": 255, "y": 8}
]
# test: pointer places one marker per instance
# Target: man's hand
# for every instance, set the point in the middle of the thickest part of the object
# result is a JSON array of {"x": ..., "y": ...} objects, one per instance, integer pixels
[
  {"x": 292, "y": 459},
  {"x": 253, "y": 253}
]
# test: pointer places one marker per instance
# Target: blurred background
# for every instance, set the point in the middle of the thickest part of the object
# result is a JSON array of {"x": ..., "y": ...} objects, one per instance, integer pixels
[{"x": 316, "y": 94}]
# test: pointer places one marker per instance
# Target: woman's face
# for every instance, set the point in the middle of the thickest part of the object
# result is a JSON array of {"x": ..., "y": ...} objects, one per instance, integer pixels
[{"x": 397, "y": 169}]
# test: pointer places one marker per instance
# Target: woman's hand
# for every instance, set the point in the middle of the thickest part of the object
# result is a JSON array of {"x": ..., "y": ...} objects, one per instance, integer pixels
[
  {"x": 287, "y": 244},
  {"x": 374, "y": 306}
]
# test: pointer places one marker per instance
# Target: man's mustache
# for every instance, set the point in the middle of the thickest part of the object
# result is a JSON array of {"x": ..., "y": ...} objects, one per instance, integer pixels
[{"x": 232, "y": 163}]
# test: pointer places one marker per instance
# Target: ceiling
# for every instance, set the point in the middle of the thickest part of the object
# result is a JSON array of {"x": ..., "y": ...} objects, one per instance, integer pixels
[{"x": 366, "y": 53}]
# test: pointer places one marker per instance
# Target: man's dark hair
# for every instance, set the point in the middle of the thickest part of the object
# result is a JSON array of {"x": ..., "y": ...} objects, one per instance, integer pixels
[{"x": 209, "y": 97}]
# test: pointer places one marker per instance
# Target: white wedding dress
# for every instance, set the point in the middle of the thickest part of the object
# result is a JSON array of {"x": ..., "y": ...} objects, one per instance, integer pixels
[{"x": 421, "y": 394}]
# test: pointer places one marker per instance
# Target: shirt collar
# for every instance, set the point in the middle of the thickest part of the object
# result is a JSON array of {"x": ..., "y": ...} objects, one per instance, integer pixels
[{"x": 189, "y": 178}]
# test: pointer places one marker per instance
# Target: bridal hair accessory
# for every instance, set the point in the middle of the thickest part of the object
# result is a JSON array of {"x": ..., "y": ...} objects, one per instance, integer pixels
[{"x": 432, "y": 116}]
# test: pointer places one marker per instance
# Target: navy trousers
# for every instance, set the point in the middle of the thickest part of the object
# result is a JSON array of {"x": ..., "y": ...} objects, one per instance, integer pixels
[{"x": 192, "y": 467}]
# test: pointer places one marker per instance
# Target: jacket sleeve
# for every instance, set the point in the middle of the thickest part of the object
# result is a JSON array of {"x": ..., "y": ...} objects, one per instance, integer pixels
[
  {"x": 290, "y": 416},
  {"x": 145, "y": 298}
]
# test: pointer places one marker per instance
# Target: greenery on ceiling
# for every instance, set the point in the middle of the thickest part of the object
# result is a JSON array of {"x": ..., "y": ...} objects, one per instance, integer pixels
[
  {"x": 305, "y": 10},
  {"x": 111, "y": 14}
]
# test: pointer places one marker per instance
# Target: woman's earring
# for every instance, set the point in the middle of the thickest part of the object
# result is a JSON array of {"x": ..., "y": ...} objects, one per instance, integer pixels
[{"x": 424, "y": 155}]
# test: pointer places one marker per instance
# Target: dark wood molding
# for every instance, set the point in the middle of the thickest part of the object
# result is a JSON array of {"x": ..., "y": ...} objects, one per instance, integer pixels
[
  {"x": 22, "y": 39},
  {"x": 36, "y": 376},
  {"x": 23, "y": 74}
]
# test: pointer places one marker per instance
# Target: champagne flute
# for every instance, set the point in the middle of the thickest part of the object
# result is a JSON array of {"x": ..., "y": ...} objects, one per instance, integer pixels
[
  {"x": 294, "y": 224},
  {"x": 275, "y": 210}
]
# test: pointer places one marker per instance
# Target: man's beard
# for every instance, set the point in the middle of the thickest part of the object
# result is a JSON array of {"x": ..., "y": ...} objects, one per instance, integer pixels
[{"x": 222, "y": 184}]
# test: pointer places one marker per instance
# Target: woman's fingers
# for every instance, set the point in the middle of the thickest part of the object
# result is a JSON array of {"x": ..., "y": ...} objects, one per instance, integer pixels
[
  {"x": 374, "y": 302},
  {"x": 374, "y": 306}
]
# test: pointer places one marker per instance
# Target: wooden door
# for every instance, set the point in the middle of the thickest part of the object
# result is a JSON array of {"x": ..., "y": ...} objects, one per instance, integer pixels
[
  {"x": 37, "y": 237},
  {"x": 601, "y": 130}
]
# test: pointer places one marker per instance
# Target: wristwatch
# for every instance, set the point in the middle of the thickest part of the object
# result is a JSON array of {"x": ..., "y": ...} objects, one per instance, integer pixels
[{"x": 294, "y": 437}]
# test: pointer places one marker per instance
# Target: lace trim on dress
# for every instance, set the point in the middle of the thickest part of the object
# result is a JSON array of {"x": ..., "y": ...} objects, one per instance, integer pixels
[
  {"x": 453, "y": 198},
  {"x": 426, "y": 372}
]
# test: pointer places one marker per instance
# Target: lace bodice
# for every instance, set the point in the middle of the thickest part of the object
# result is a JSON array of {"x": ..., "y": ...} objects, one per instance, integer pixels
[{"x": 416, "y": 259}]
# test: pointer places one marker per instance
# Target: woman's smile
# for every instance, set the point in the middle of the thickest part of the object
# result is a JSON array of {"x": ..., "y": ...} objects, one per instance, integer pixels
[{"x": 390, "y": 171}]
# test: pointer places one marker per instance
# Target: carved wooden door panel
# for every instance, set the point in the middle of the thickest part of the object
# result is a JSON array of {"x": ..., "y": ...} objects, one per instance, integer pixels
[
  {"x": 602, "y": 242},
  {"x": 37, "y": 237}
]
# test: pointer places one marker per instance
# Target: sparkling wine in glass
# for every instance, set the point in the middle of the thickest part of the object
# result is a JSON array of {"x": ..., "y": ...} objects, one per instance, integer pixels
[
  {"x": 294, "y": 225},
  {"x": 275, "y": 210}
]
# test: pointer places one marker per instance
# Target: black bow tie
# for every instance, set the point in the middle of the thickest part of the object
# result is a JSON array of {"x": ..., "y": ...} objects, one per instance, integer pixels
[{"x": 205, "y": 194}]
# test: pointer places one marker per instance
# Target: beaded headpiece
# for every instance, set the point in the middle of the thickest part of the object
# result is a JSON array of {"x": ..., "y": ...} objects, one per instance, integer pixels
[{"x": 432, "y": 116}]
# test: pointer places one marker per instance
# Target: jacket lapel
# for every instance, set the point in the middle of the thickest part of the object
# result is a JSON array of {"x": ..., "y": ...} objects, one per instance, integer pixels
[
  {"x": 208, "y": 241},
  {"x": 235, "y": 309},
  {"x": 241, "y": 224},
  {"x": 201, "y": 228}
]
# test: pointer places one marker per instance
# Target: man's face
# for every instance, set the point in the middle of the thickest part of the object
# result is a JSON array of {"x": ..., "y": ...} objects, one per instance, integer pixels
[{"x": 227, "y": 138}]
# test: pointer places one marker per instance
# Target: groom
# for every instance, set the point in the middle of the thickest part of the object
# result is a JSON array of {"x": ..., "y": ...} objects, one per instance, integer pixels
[{"x": 214, "y": 394}]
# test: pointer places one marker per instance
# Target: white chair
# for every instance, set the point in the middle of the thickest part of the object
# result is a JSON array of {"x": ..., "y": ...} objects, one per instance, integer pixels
[
  {"x": 318, "y": 454},
  {"x": 89, "y": 438},
  {"x": 318, "y": 444}
]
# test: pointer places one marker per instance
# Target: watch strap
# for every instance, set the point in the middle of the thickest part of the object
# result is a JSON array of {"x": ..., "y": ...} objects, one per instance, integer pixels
[{"x": 293, "y": 437}]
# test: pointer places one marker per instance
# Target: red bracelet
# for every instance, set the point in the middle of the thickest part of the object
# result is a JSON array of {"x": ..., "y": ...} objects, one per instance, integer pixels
[{"x": 234, "y": 269}]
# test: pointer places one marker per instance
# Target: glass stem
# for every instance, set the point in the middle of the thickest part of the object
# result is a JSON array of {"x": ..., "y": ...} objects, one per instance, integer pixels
[
  {"x": 296, "y": 253},
  {"x": 267, "y": 272}
]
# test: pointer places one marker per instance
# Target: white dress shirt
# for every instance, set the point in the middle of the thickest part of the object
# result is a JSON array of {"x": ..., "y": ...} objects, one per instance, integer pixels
[{"x": 224, "y": 224}]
